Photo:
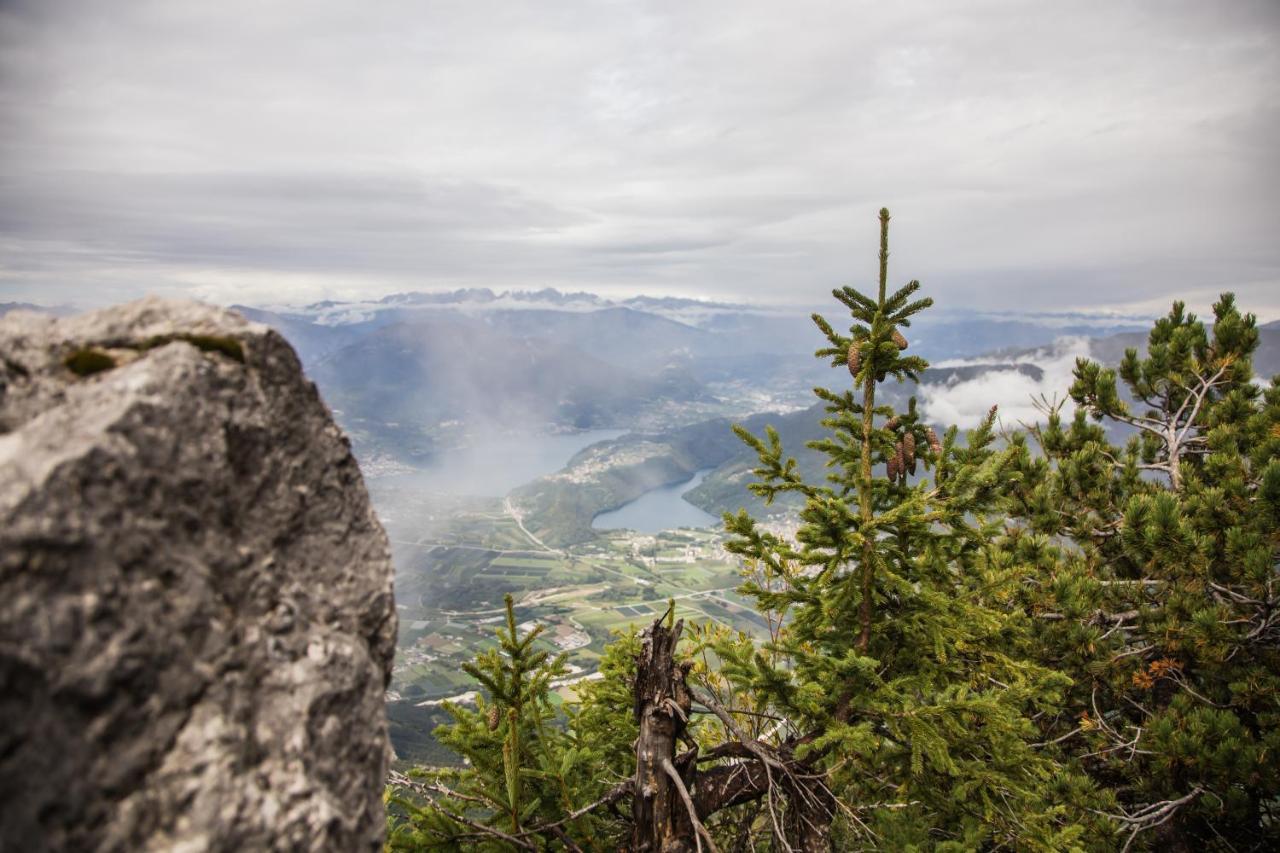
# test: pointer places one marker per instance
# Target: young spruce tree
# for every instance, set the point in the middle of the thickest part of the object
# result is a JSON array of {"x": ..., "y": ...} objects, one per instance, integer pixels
[
  {"x": 902, "y": 660},
  {"x": 529, "y": 782}
]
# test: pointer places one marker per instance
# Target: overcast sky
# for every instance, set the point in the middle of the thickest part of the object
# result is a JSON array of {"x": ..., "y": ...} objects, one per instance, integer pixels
[{"x": 1042, "y": 155}]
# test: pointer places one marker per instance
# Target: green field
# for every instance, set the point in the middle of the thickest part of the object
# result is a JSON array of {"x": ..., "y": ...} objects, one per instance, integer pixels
[
  {"x": 526, "y": 563},
  {"x": 451, "y": 581}
]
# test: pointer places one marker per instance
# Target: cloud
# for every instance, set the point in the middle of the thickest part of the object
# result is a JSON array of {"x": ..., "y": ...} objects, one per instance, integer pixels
[
  {"x": 966, "y": 402},
  {"x": 1079, "y": 155}
]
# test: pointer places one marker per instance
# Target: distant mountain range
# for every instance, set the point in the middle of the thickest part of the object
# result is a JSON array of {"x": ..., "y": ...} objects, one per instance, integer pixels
[
  {"x": 483, "y": 299},
  {"x": 412, "y": 374},
  {"x": 56, "y": 310},
  {"x": 943, "y": 333}
]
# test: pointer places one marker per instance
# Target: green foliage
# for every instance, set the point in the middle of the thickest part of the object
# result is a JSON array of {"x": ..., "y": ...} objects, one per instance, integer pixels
[
  {"x": 1034, "y": 641},
  {"x": 526, "y": 774},
  {"x": 900, "y": 651},
  {"x": 601, "y": 722},
  {"x": 88, "y": 361},
  {"x": 1154, "y": 576}
]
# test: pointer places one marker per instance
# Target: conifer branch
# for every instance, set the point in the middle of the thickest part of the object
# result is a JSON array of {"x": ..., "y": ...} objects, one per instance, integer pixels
[{"x": 1150, "y": 816}]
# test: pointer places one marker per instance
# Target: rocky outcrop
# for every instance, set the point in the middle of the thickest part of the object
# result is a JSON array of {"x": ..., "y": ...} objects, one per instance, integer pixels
[{"x": 196, "y": 614}]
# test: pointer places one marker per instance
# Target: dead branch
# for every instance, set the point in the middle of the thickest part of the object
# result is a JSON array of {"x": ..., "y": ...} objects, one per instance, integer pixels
[{"x": 701, "y": 830}]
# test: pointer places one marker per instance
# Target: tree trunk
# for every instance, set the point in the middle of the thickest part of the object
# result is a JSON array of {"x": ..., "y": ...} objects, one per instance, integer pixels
[{"x": 661, "y": 820}]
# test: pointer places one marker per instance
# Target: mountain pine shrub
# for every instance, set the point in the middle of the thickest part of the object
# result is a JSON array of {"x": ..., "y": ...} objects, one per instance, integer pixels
[{"x": 1155, "y": 582}]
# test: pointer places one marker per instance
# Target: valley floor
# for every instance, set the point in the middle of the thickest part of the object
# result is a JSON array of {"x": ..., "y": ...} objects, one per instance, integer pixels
[{"x": 452, "y": 580}]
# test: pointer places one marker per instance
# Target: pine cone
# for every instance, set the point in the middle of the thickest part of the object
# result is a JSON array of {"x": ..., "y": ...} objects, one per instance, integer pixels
[
  {"x": 880, "y": 376},
  {"x": 493, "y": 718},
  {"x": 900, "y": 460},
  {"x": 909, "y": 450},
  {"x": 899, "y": 339},
  {"x": 892, "y": 423},
  {"x": 855, "y": 360},
  {"x": 934, "y": 444},
  {"x": 992, "y": 413},
  {"x": 891, "y": 468}
]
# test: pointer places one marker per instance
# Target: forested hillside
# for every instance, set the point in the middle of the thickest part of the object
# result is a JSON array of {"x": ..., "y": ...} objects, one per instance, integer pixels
[{"x": 602, "y": 477}]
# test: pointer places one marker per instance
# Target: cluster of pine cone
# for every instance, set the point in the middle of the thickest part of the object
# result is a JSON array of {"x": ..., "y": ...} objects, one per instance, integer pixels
[
  {"x": 855, "y": 355},
  {"x": 903, "y": 460}
]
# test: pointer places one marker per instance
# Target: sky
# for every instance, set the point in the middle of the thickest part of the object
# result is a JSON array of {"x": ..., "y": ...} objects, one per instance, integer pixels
[{"x": 1048, "y": 156}]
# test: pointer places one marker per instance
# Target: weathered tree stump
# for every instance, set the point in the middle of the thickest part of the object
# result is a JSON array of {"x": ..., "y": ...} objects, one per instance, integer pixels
[{"x": 662, "y": 822}]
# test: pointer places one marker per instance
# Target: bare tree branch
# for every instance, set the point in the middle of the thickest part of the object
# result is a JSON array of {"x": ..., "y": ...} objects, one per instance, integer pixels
[{"x": 688, "y": 804}]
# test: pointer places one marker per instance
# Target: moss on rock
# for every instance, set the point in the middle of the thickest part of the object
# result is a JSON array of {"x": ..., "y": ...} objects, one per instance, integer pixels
[
  {"x": 87, "y": 361},
  {"x": 228, "y": 346}
]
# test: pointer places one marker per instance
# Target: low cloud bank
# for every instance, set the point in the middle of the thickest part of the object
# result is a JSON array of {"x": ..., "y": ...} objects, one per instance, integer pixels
[{"x": 965, "y": 402}]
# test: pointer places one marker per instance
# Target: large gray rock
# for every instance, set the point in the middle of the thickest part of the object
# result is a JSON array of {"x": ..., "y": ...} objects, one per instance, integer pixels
[{"x": 196, "y": 613}]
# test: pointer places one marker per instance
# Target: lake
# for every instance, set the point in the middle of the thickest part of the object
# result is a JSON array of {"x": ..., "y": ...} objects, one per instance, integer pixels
[
  {"x": 494, "y": 464},
  {"x": 658, "y": 510}
]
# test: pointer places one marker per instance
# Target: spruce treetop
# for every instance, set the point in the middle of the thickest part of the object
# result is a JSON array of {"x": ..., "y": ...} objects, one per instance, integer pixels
[{"x": 899, "y": 655}]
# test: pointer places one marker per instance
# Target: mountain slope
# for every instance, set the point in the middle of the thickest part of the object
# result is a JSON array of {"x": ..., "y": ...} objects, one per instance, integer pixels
[
  {"x": 611, "y": 473},
  {"x": 559, "y": 509},
  {"x": 400, "y": 386}
]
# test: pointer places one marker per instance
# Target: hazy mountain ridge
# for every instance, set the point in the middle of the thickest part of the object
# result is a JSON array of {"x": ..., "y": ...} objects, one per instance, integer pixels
[
  {"x": 55, "y": 310},
  {"x": 483, "y": 299},
  {"x": 449, "y": 372},
  {"x": 414, "y": 374},
  {"x": 735, "y": 326},
  {"x": 642, "y": 363}
]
